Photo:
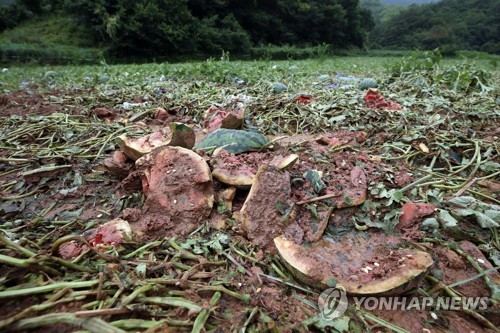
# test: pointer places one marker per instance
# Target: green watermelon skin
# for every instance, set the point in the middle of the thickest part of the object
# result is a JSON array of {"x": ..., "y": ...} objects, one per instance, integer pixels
[
  {"x": 324, "y": 78},
  {"x": 368, "y": 83},
  {"x": 278, "y": 88},
  {"x": 233, "y": 141}
]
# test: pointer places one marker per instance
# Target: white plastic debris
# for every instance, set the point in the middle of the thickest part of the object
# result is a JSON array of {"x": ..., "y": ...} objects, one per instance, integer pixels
[
  {"x": 5, "y": 70},
  {"x": 127, "y": 105}
]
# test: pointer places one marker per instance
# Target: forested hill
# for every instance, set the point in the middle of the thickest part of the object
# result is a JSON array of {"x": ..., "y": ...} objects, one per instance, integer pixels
[
  {"x": 173, "y": 27},
  {"x": 448, "y": 24}
]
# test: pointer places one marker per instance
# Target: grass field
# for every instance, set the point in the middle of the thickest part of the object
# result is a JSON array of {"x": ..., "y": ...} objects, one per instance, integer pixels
[
  {"x": 221, "y": 71},
  {"x": 441, "y": 149}
]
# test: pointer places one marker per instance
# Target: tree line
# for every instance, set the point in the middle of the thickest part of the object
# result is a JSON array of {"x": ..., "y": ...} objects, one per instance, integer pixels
[
  {"x": 151, "y": 28},
  {"x": 177, "y": 27}
]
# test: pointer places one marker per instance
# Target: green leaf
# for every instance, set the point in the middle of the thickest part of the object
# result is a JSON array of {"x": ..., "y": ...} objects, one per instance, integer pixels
[
  {"x": 430, "y": 223},
  {"x": 488, "y": 216},
  {"x": 394, "y": 195},
  {"x": 493, "y": 214},
  {"x": 495, "y": 257},
  {"x": 463, "y": 202},
  {"x": 447, "y": 219},
  {"x": 70, "y": 214},
  {"x": 464, "y": 212},
  {"x": 485, "y": 221},
  {"x": 369, "y": 206},
  {"x": 366, "y": 220},
  {"x": 314, "y": 212},
  {"x": 314, "y": 177},
  {"x": 391, "y": 219},
  {"x": 434, "y": 196},
  {"x": 490, "y": 166},
  {"x": 397, "y": 196},
  {"x": 282, "y": 207},
  {"x": 488, "y": 219},
  {"x": 340, "y": 324}
]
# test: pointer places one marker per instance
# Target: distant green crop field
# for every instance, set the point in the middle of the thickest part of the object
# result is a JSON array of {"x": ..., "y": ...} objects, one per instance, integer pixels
[{"x": 298, "y": 73}]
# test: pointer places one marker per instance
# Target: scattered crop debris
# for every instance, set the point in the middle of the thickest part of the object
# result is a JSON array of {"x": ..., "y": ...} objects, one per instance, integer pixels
[{"x": 246, "y": 203}]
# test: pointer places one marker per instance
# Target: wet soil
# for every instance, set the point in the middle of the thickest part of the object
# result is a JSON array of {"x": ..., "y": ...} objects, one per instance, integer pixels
[
  {"x": 455, "y": 267},
  {"x": 29, "y": 101}
]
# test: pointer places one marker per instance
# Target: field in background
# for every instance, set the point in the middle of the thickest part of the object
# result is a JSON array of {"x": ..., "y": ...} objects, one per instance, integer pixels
[{"x": 223, "y": 70}]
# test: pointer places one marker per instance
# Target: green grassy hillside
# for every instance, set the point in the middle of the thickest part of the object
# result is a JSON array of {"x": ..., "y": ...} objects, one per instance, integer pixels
[
  {"x": 48, "y": 30},
  {"x": 48, "y": 39}
]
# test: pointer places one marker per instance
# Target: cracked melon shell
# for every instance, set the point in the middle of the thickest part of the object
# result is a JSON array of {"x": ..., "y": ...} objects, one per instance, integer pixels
[
  {"x": 179, "y": 135},
  {"x": 312, "y": 265}
]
